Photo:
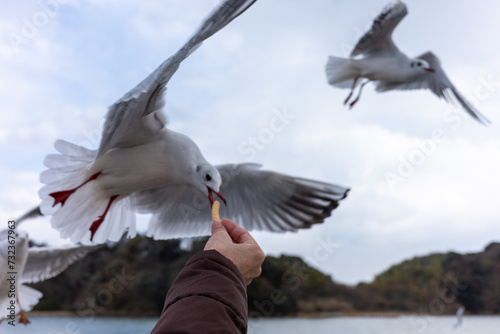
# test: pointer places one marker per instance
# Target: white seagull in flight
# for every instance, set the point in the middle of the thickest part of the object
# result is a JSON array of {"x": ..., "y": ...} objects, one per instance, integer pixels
[
  {"x": 21, "y": 264},
  {"x": 376, "y": 58},
  {"x": 142, "y": 165},
  {"x": 459, "y": 315}
]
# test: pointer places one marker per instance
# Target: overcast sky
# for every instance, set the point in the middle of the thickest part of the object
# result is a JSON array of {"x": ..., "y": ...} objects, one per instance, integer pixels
[{"x": 424, "y": 176}]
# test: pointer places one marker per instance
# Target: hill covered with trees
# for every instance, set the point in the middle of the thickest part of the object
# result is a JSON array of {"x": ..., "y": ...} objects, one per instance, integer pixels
[{"x": 133, "y": 276}]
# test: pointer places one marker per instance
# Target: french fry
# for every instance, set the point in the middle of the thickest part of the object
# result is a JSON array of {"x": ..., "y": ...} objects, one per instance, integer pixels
[{"x": 215, "y": 211}]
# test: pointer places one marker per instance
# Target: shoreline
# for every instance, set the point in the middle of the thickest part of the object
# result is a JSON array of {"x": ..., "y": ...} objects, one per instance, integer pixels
[
  {"x": 319, "y": 315},
  {"x": 73, "y": 314}
]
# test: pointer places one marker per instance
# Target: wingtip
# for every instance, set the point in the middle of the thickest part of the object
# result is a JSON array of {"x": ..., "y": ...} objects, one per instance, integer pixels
[{"x": 33, "y": 213}]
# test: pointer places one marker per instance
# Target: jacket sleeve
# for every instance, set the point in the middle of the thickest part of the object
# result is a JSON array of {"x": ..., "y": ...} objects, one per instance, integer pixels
[{"x": 208, "y": 296}]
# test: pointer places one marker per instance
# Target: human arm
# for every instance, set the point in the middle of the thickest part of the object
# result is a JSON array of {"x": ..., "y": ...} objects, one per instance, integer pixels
[{"x": 209, "y": 294}]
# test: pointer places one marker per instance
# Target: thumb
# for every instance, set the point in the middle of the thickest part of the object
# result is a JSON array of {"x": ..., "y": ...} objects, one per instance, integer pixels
[
  {"x": 219, "y": 236},
  {"x": 217, "y": 226},
  {"x": 219, "y": 232}
]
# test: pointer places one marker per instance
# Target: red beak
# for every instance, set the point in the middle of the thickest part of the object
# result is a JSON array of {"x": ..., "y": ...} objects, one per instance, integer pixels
[
  {"x": 428, "y": 69},
  {"x": 210, "y": 196}
]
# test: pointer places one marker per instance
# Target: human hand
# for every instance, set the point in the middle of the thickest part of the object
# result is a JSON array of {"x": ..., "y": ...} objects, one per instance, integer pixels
[{"x": 235, "y": 243}]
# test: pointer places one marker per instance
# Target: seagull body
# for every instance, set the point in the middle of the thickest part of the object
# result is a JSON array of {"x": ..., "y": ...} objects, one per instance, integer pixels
[
  {"x": 384, "y": 68},
  {"x": 376, "y": 58},
  {"x": 30, "y": 265},
  {"x": 459, "y": 315},
  {"x": 168, "y": 153},
  {"x": 142, "y": 165},
  {"x": 13, "y": 295}
]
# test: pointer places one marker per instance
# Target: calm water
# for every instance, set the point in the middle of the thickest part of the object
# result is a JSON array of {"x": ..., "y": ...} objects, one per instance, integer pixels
[{"x": 341, "y": 325}]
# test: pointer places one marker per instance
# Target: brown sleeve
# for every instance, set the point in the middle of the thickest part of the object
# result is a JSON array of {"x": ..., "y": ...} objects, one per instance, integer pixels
[{"x": 208, "y": 296}]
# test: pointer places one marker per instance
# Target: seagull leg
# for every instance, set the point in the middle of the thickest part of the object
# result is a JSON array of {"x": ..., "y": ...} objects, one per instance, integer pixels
[
  {"x": 352, "y": 88},
  {"x": 359, "y": 94},
  {"x": 62, "y": 196},
  {"x": 23, "y": 319},
  {"x": 95, "y": 225}
]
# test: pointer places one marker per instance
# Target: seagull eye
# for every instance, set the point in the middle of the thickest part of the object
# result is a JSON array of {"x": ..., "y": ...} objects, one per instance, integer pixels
[
  {"x": 419, "y": 64},
  {"x": 208, "y": 177}
]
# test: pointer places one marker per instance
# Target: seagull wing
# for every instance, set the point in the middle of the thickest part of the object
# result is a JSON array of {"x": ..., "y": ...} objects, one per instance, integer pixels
[
  {"x": 46, "y": 262},
  {"x": 137, "y": 117},
  {"x": 379, "y": 38},
  {"x": 438, "y": 83},
  {"x": 256, "y": 200},
  {"x": 32, "y": 214}
]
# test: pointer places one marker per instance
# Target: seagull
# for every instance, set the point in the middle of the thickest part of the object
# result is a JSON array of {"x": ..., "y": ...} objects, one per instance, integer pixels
[
  {"x": 142, "y": 165},
  {"x": 460, "y": 314},
  {"x": 376, "y": 58},
  {"x": 21, "y": 264}
]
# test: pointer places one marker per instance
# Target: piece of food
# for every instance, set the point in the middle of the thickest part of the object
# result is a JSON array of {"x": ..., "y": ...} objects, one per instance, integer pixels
[{"x": 215, "y": 211}]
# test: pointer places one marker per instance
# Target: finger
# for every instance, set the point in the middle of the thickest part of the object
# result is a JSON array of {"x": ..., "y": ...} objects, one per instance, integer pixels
[
  {"x": 237, "y": 233},
  {"x": 216, "y": 226}
]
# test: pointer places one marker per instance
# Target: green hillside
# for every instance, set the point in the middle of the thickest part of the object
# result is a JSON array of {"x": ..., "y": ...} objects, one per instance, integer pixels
[{"x": 439, "y": 282}]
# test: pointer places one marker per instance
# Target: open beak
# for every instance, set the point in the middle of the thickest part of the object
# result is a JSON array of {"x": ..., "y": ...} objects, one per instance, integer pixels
[
  {"x": 210, "y": 196},
  {"x": 428, "y": 69}
]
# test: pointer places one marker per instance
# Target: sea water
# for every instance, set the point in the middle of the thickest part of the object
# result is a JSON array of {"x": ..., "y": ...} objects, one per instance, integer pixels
[{"x": 341, "y": 325}]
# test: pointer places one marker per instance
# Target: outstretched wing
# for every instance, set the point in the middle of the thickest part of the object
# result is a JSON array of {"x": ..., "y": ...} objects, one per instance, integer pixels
[
  {"x": 379, "y": 38},
  {"x": 438, "y": 83},
  {"x": 256, "y": 200},
  {"x": 45, "y": 262},
  {"x": 137, "y": 117}
]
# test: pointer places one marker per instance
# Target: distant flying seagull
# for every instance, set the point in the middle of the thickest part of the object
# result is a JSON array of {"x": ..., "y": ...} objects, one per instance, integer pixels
[
  {"x": 21, "y": 265},
  {"x": 381, "y": 61},
  {"x": 140, "y": 164},
  {"x": 459, "y": 315}
]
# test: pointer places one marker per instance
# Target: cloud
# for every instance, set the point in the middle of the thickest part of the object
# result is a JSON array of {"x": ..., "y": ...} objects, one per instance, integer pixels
[{"x": 230, "y": 90}]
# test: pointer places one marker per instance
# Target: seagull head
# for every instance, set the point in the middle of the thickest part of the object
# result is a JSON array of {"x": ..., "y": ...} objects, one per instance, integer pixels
[
  {"x": 211, "y": 180},
  {"x": 22, "y": 236},
  {"x": 420, "y": 65}
]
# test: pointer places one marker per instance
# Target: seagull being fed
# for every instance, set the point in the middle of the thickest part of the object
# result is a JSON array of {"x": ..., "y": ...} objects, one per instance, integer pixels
[
  {"x": 376, "y": 58},
  {"x": 142, "y": 165},
  {"x": 21, "y": 265}
]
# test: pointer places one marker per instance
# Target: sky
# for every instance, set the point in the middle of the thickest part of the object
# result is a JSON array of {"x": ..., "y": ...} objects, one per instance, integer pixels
[{"x": 423, "y": 175}]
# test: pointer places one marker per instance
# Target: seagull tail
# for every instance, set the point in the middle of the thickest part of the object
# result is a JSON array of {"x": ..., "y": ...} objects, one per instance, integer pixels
[
  {"x": 82, "y": 201},
  {"x": 339, "y": 72},
  {"x": 28, "y": 297}
]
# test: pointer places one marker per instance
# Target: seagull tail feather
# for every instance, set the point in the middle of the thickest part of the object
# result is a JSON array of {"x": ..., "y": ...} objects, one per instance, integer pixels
[
  {"x": 69, "y": 172},
  {"x": 28, "y": 297},
  {"x": 339, "y": 72}
]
